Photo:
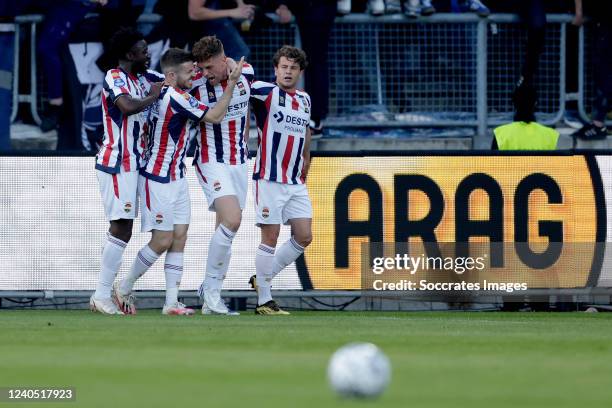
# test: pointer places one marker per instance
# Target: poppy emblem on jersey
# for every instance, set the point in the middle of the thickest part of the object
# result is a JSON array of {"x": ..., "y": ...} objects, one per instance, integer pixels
[
  {"x": 265, "y": 212},
  {"x": 127, "y": 207},
  {"x": 159, "y": 219},
  {"x": 217, "y": 186}
]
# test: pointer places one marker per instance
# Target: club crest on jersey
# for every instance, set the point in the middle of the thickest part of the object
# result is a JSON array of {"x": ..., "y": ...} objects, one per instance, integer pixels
[
  {"x": 217, "y": 185},
  {"x": 159, "y": 218},
  {"x": 265, "y": 212},
  {"x": 281, "y": 100},
  {"x": 211, "y": 95},
  {"x": 127, "y": 207},
  {"x": 241, "y": 88}
]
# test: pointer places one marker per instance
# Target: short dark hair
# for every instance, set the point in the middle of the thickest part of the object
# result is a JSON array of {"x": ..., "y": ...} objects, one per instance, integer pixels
[
  {"x": 293, "y": 53},
  {"x": 207, "y": 47},
  {"x": 525, "y": 99},
  {"x": 174, "y": 57},
  {"x": 123, "y": 40}
]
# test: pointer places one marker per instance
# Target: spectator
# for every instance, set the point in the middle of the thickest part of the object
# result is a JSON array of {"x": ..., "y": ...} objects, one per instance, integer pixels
[
  {"x": 524, "y": 133},
  {"x": 218, "y": 22},
  {"x": 376, "y": 7},
  {"x": 470, "y": 6},
  {"x": 315, "y": 19},
  {"x": 60, "y": 20},
  {"x": 414, "y": 8},
  {"x": 602, "y": 19}
]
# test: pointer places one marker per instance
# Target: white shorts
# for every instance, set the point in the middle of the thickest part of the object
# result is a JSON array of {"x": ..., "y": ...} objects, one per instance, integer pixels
[
  {"x": 119, "y": 194},
  {"x": 163, "y": 205},
  {"x": 220, "y": 179},
  {"x": 277, "y": 203}
]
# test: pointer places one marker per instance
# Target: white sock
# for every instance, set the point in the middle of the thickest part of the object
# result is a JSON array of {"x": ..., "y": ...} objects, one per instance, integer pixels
[
  {"x": 286, "y": 254},
  {"x": 264, "y": 256},
  {"x": 219, "y": 251},
  {"x": 145, "y": 258},
  {"x": 109, "y": 265},
  {"x": 173, "y": 269}
]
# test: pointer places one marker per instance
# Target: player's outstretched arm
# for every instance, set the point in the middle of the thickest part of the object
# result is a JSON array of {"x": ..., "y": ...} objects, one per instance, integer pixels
[
  {"x": 217, "y": 113},
  {"x": 128, "y": 105}
]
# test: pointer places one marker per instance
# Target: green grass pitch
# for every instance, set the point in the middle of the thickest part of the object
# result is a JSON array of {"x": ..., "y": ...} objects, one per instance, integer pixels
[{"x": 471, "y": 360}]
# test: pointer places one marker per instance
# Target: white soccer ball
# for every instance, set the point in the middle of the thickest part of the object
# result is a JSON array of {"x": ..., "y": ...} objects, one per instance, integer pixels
[{"x": 359, "y": 370}]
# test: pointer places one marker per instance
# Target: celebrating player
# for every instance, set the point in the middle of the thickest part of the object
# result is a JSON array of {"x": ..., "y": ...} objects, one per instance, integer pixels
[
  {"x": 283, "y": 158},
  {"x": 128, "y": 92},
  {"x": 220, "y": 162},
  {"x": 164, "y": 192}
]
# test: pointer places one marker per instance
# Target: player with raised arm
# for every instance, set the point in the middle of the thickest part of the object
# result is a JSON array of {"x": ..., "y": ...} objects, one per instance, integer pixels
[
  {"x": 283, "y": 157},
  {"x": 163, "y": 188},
  {"x": 128, "y": 92},
  {"x": 221, "y": 162}
]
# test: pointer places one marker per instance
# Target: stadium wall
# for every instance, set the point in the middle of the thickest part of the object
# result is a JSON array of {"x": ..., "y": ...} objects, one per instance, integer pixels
[{"x": 53, "y": 223}]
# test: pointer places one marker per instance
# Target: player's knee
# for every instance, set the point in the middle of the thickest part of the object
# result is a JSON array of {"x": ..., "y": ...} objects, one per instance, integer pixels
[
  {"x": 121, "y": 229},
  {"x": 233, "y": 221},
  {"x": 304, "y": 239},
  {"x": 163, "y": 243},
  {"x": 179, "y": 239},
  {"x": 269, "y": 237}
]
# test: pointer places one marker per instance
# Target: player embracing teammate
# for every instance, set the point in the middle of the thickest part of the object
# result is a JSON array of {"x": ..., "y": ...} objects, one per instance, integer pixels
[{"x": 218, "y": 107}]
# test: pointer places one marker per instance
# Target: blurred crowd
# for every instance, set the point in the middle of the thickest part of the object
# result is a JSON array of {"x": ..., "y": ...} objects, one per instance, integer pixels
[{"x": 185, "y": 21}]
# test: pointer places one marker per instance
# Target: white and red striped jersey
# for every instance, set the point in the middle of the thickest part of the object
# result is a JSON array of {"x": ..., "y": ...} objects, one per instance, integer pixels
[
  {"x": 282, "y": 120},
  {"x": 124, "y": 141},
  {"x": 168, "y": 134},
  {"x": 223, "y": 142}
]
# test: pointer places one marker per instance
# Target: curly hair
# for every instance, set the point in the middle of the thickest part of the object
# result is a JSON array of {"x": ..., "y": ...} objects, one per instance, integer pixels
[
  {"x": 123, "y": 40},
  {"x": 291, "y": 53}
]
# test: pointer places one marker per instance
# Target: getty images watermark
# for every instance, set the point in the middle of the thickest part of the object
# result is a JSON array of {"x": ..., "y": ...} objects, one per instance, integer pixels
[{"x": 436, "y": 268}]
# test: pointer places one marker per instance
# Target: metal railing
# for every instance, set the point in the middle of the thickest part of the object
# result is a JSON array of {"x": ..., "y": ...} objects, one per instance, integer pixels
[{"x": 452, "y": 70}]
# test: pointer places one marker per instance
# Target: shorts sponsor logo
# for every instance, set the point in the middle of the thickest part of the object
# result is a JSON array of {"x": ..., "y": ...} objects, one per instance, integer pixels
[
  {"x": 217, "y": 185},
  {"x": 265, "y": 212},
  {"x": 159, "y": 218},
  {"x": 127, "y": 207}
]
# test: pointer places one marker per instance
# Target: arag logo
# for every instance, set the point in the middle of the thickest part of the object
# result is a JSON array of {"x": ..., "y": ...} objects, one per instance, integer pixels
[{"x": 548, "y": 210}]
